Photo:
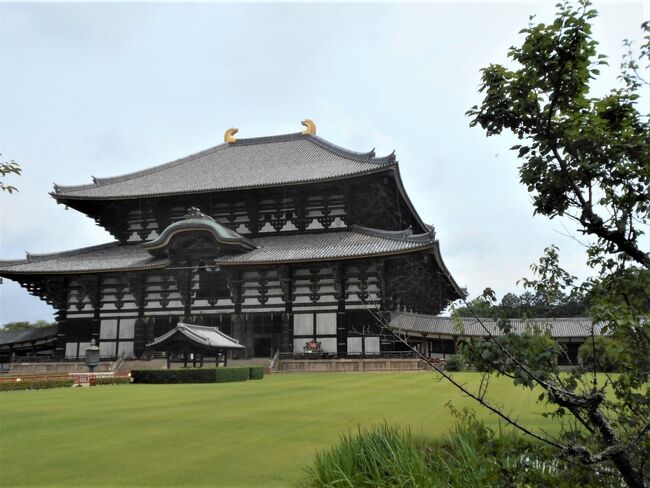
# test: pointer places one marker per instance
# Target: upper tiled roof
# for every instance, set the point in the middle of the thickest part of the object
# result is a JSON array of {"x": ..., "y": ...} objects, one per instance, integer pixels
[
  {"x": 357, "y": 242},
  {"x": 470, "y": 327},
  {"x": 246, "y": 163}
]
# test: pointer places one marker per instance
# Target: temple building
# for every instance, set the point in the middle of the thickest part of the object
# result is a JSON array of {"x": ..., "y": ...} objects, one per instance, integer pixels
[{"x": 286, "y": 243}]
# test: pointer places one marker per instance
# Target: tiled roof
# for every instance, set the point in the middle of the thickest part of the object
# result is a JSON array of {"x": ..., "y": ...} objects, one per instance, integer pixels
[
  {"x": 246, "y": 163},
  {"x": 205, "y": 336},
  {"x": 102, "y": 258},
  {"x": 358, "y": 242},
  {"x": 470, "y": 327},
  {"x": 27, "y": 335}
]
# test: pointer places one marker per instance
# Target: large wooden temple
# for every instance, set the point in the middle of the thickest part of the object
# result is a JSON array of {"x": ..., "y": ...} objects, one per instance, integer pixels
[{"x": 281, "y": 242}]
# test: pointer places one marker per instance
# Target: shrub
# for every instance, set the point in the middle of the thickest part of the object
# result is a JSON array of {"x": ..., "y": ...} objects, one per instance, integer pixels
[
  {"x": 227, "y": 375},
  {"x": 256, "y": 372},
  {"x": 26, "y": 384},
  {"x": 191, "y": 375},
  {"x": 112, "y": 380},
  {"x": 455, "y": 363}
]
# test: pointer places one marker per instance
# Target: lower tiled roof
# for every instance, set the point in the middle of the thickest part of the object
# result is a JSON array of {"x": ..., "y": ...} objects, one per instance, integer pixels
[
  {"x": 356, "y": 243},
  {"x": 102, "y": 258},
  {"x": 27, "y": 335},
  {"x": 471, "y": 327}
]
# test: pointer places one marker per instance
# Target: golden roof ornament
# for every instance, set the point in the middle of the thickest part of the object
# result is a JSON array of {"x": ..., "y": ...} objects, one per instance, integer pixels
[
  {"x": 310, "y": 127},
  {"x": 229, "y": 136}
]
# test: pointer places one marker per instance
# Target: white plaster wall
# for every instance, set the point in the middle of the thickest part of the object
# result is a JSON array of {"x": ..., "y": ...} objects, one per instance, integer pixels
[
  {"x": 303, "y": 324},
  {"x": 108, "y": 329},
  {"x": 325, "y": 323}
]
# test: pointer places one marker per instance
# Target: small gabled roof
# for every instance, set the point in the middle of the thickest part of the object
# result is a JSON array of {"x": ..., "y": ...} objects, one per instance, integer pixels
[
  {"x": 432, "y": 325},
  {"x": 247, "y": 163},
  {"x": 210, "y": 337},
  {"x": 196, "y": 221}
]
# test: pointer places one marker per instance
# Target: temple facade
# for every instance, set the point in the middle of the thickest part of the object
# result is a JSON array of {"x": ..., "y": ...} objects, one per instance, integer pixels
[{"x": 281, "y": 242}]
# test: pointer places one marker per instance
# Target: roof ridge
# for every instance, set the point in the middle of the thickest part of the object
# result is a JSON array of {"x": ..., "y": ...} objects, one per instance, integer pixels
[
  {"x": 31, "y": 257},
  {"x": 59, "y": 254},
  {"x": 250, "y": 141},
  {"x": 354, "y": 155},
  {"x": 490, "y": 318},
  {"x": 140, "y": 173},
  {"x": 396, "y": 235}
]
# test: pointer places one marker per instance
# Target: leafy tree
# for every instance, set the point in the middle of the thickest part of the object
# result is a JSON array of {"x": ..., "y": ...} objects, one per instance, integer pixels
[
  {"x": 25, "y": 325},
  {"x": 586, "y": 158},
  {"x": 602, "y": 354},
  {"x": 6, "y": 168}
]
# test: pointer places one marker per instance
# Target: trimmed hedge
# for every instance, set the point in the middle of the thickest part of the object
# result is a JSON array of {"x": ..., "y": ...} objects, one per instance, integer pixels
[
  {"x": 256, "y": 372},
  {"x": 34, "y": 385},
  {"x": 113, "y": 380},
  {"x": 195, "y": 375}
]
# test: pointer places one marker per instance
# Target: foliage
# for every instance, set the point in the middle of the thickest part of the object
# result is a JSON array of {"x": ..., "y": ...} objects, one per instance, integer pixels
[
  {"x": 7, "y": 168},
  {"x": 455, "y": 363},
  {"x": 190, "y": 375},
  {"x": 529, "y": 305},
  {"x": 586, "y": 158},
  {"x": 256, "y": 372},
  {"x": 380, "y": 456},
  {"x": 583, "y": 157},
  {"x": 601, "y": 354},
  {"x": 471, "y": 454},
  {"x": 112, "y": 380},
  {"x": 27, "y": 384},
  {"x": 226, "y": 375},
  {"x": 535, "y": 349},
  {"x": 25, "y": 325}
]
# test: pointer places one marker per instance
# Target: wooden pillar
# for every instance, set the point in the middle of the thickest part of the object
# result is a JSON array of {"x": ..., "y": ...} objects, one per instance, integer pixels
[
  {"x": 225, "y": 358},
  {"x": 169, "y": 362},
  {"x": 201, "y": 363},
  {"x": 185, "y": 360}
]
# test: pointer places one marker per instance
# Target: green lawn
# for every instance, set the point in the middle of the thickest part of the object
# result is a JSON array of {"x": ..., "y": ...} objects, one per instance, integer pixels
[{"x": 256, "y": 433}]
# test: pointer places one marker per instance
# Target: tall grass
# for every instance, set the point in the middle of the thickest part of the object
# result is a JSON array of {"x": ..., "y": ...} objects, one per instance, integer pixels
[
  {"x": 380, "y": 456},
  {"x": 471, "y": 455}
]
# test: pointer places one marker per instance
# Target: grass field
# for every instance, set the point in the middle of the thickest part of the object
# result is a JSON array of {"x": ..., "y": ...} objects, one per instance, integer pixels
[{"x": 257, "y": 433}]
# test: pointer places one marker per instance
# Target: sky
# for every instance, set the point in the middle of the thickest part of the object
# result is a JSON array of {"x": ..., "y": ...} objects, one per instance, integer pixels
[{"x": 107, "y": 89}]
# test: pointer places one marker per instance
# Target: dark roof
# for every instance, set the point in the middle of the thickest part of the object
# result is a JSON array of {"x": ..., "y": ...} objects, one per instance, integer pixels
[
  {"x": 357, "y": 242},
  {"x": 204, "y": 336},
  {"x": 470, "y": 327},
  {"x": 105, "y": 257},
  {"x": 195, "y": 221},
  {"x": 27, "y": 335},
  {"x": 246, "y": 163}
]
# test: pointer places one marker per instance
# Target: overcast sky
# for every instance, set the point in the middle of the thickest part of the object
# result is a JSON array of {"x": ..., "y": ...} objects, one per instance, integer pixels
[{"x": 107, "y": 89}]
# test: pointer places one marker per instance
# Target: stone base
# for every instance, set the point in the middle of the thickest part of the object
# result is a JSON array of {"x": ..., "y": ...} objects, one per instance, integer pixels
[{"x": 346, "y": 365}]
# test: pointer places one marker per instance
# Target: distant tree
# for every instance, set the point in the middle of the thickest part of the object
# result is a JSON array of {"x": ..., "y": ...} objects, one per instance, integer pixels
[
  {"x": 26, "y": 325},
  {"x": 6, "y": 168},
  {"x": 529, "y": 305}
]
